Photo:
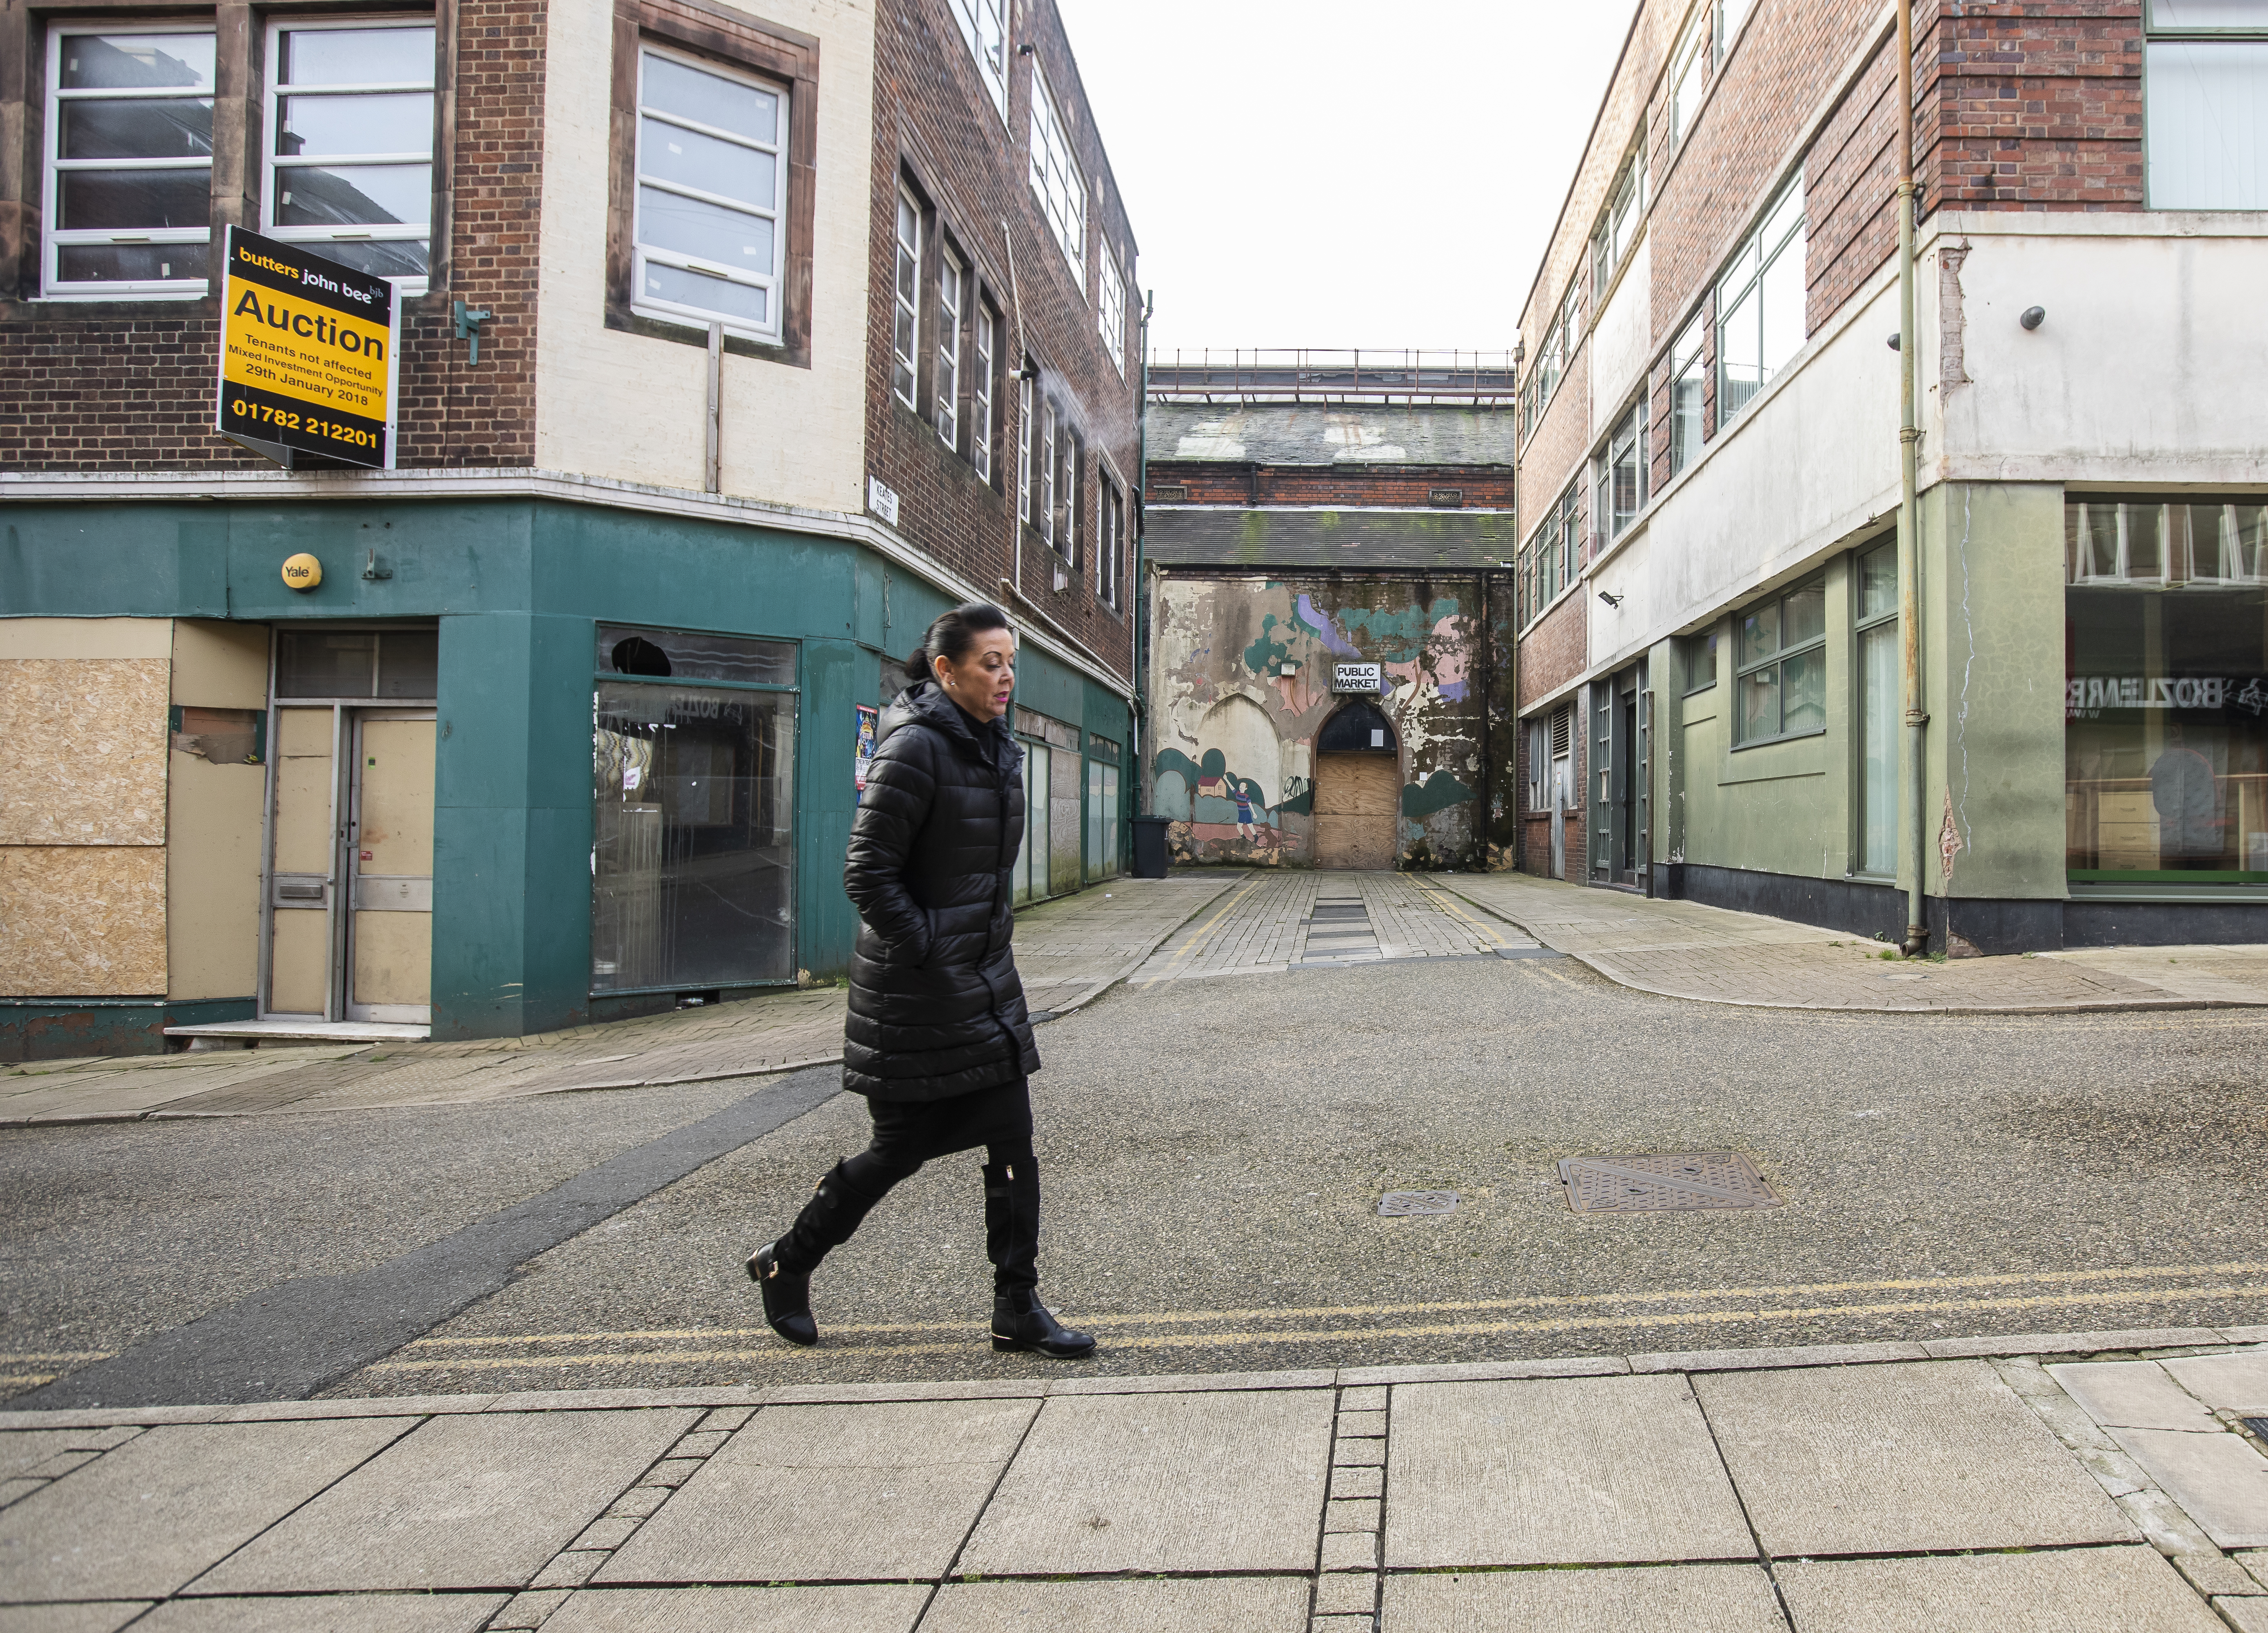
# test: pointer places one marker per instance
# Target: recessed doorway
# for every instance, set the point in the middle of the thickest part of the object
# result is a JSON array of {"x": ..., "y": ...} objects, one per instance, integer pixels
[{"x": 1357, "y": 789}]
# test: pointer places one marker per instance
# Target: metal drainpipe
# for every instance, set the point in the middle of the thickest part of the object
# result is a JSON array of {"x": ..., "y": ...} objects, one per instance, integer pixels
[
  {"x": 1917, "y": 942},
  {"x": 1139, "y": 659}
]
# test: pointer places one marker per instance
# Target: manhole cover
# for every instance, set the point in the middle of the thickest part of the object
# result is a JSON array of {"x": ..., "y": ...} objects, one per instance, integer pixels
[
  {"x": 1402, "y": 1204},
  {"x": 1651, "y": 1183}
]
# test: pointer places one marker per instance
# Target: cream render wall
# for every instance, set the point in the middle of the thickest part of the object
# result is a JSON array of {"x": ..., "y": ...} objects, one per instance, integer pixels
[{"x": 615, "y": 404}]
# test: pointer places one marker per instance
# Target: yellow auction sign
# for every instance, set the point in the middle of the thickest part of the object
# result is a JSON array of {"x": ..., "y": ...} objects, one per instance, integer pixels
[{"x": 308, "y": 354}]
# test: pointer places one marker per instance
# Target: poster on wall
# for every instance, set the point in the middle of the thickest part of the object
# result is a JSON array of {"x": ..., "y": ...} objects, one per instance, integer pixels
[
  {"x": 869, "y": 718},
  {"x": 307, "y": 355}
]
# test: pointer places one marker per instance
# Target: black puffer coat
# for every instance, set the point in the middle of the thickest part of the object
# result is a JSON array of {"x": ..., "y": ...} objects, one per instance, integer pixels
[{"x": 936, "y": 1006}]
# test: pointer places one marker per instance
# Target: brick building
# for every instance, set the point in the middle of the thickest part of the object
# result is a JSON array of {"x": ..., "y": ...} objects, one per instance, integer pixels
[
  {"x": 1711, "y": 686},
  {"x": 736, "y": 342},
  {"x": 1328, "y": 593}
]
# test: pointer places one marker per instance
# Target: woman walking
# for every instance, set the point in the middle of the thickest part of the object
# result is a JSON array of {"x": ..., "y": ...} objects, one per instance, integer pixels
[{"x": 938, "y": 1037}]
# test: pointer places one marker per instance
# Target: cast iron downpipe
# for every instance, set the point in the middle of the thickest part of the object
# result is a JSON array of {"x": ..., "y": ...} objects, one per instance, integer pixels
[
  {"x": 1136, "y": 766},
  {"x": 1917, "y": 941}
]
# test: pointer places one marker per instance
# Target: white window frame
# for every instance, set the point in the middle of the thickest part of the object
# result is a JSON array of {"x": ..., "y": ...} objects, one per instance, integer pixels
[
  {"x": 1688, "y": 72},
  {"x": 1110, "y": 310},
  {"x": 1687, "y": 354},
  {"x": 984, "y": 27},
  {"x": 272, "y": 124},
  {"x": 1049, "y": 432},
  {"x": 951, "y": 303},
  {"x": 1109, "y": 530},
  {"x": 774, "y": 282},
  {"x": 1759, "y": 254},
  {"x": 1058, "y": 182},
  {"x": 1026, "y": 428},
  {"x": 54, "y": 240},
  {"x": 1625, "y": 442},
  {"x": 1619, "y": 222},
  {"x": 905, "y": 307},
  {"x": 2174, "y": 51},
  {"x": 985, "y": 344},
  {"x": 1731, "y": 14}
]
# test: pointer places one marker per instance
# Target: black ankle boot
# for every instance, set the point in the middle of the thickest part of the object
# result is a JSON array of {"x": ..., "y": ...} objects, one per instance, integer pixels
[
  {"x": 787, "y": 1298},
  {"x": 1020, "y": 1321}
]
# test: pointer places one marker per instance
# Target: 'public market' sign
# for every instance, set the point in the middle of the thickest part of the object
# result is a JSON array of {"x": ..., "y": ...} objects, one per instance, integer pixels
[
  {"x": 308, "y": 353},
  {"x": 1355, "y": 677}
]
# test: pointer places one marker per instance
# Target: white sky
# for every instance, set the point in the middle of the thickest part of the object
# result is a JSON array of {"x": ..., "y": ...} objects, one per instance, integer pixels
[{"x": 1319, "y": 173}]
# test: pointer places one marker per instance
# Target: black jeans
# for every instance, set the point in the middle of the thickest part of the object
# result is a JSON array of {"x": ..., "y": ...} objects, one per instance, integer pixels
[{"x": 905, "y": 1137}]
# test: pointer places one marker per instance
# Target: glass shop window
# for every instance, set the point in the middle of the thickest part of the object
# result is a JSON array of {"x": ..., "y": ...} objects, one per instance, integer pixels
[
  {"x": 394, "y": 664},
  {"x": 1102, "y": 822},
  {"x": 688, "y": 655},
  {"x": 693, "y": 844},
  {"x": 2166, "y": 698},
  {"x": 1031, "y": 866}
]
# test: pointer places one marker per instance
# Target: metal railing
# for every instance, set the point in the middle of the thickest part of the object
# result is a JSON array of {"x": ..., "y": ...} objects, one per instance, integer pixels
[{"x": 1297, "y": 374}]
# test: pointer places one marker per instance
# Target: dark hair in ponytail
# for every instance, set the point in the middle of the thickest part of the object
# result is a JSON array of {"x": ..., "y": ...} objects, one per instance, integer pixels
[{"x": 952, "y": 636}]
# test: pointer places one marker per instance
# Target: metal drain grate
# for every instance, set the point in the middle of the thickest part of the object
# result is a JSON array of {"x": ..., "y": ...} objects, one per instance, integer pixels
[
  {"x": 1403, "y": 1204},
  {"x": 2259, "y": 1428},
  {"x": 1649, "y": 1183}
]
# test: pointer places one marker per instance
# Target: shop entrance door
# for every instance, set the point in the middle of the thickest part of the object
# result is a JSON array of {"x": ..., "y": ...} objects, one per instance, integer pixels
[
  {"x": 1619, "y": 777},
  {"x": 350, "y": 878},
  {"x": 389, "y": 842}
]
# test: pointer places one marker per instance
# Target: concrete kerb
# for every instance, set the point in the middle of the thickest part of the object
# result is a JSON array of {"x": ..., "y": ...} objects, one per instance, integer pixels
[
  {"x": 2128, "y": 1344},
  {"x": 1621, "y": 978}
]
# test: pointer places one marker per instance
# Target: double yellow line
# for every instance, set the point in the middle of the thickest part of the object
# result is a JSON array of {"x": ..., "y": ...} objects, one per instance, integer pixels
[
  {"x": 1542, "y": 1314},
  {"x": 1196, "y": 937}
]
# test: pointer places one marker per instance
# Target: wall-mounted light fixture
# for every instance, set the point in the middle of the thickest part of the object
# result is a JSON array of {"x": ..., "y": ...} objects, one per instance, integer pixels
[
  {"x": 2034, "y": 316},
  {"x": 1611, "y": 598},
  {"x": 1892, "y": 342}
]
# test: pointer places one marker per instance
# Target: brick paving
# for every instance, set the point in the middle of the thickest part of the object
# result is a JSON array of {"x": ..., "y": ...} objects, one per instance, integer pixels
[
  {"x": 2103, "y": 1479},
  {"x": 1265, "y": 924},
  {"x": 1683, "y": 950},
  {"x": 1070, "y": 950}
]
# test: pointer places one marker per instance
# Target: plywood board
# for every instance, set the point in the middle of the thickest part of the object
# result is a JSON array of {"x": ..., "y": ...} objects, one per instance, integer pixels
[
  {"x": 396, "y": 776},
  {"x": 300, "y": 967},
  {"x": 212, "y": 879},
  {"x": 86, "y": 763},
  {"x": 86, "y": 638},
  {"x": 304, "y": 783},
  {"x": 220, "y": 665},
  {"x": 80, "y": 920},
  {"x": 1358, "y": 798},
  {"x": 393, "y": 957}
]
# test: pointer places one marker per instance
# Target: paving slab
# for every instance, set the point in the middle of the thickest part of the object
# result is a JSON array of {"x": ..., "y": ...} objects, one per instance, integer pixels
[
  {"x": 100, "y": 1617},
  {"x": 1693, "y": 1599},
  {"x": 143, "y": 1520},
  {"x": 885, "y": 1608},
  {"x": 1216, "y": 1605},
  {"x": 2232, "y": 1383},
  {"x": 1230, "y": 1481},
  {"x": 25, "y": 1449},
  {"x": 2066, "y": 1591},
  {"x": 826, "y": 1493},
  {"x": 1909, "y": 1457},
  {"x": 2133, "y": 1394},
  {"x": 1556, "y": 1470},
  {"x": 2246, "y": 1615},
  {"x": 2219, "y": 1480},
  {"x": 326, "y": 1613},
  {"x": 479, "y": 1501}
]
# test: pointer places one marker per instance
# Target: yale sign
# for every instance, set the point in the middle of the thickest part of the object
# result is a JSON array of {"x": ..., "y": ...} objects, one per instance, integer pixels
[{"x": 1355, "y": 677}]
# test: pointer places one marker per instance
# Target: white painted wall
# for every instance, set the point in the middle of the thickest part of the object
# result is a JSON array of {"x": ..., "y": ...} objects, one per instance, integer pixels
[
  {"x": 1810, "y": 462},
  {"x": 621, "y": 405},
  {"x": 1621, "y": 339},
  {"x": 2148, "y": 369}
]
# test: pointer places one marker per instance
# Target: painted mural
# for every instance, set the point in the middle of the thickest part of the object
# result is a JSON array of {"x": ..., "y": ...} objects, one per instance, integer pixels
[{"x": 1242, "y": 684}]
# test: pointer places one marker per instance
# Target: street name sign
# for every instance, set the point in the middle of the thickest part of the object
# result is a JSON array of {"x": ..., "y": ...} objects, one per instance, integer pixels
[
  {"x": 308, "y": 354},
  {"x": 1355, "y": 677}
]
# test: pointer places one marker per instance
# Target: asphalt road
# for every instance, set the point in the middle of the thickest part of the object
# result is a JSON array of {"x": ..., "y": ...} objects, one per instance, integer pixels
[{"x": 1213, "y": 1154}]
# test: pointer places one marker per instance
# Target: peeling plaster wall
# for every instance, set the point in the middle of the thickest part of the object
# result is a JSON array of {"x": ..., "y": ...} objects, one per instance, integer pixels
[{"x": 1227, "y": 721}]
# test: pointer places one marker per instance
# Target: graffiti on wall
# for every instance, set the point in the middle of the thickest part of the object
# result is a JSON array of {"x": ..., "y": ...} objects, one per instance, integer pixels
[{"x": 1242, "y": 686}]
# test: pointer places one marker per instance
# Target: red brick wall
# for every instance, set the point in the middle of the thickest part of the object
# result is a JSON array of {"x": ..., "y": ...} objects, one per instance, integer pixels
[
  {"x": 1555, "y": 650},
  {"x": 129, "y": 385},
  {"x": 1482, "y": 487},
  {"x": 935, "y": 125},
  {"x": 2032, "y": 105}
]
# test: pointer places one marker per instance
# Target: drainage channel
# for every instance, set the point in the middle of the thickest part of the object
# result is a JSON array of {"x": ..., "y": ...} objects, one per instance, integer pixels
[{"x": 1339, "y": 931}]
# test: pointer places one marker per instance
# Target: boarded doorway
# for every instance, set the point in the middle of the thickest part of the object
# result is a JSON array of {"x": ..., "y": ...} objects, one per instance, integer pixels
[{"x": 1357, "y": 789}]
